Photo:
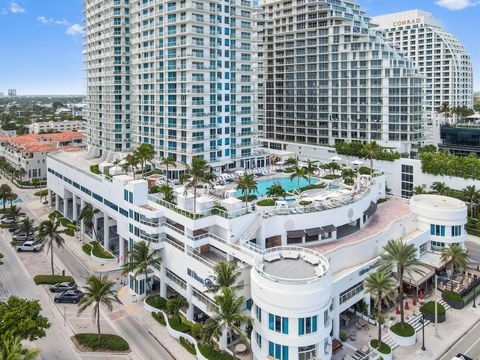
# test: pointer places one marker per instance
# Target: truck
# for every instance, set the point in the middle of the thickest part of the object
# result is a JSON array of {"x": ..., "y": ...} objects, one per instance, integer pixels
[{"x": 28, "y": 246}]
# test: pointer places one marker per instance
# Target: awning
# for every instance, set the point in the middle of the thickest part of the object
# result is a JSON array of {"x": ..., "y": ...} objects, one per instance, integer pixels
[
  {"x": 371, "y": 209},
  {"x": 418, "y": 274},
  {"x": 295, "y": 234},
  {"x": 329, "y": 228},
  {"x": 313, "y": 231},
  {"x": 432, "y": 259}
]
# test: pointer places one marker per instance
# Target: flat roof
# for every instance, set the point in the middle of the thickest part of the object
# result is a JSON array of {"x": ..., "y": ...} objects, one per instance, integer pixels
[
  {"x": 290, "y": 269},
  {"x": 437, "y": 201},
  {"x": 78, "y": 159}
]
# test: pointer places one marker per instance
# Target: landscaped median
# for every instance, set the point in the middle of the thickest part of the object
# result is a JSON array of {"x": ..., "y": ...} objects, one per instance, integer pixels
[
  {"x": 383, "y": 349},
  {"x": 98, "y": 253},
  {"x": 186, "y": 332},
  {"x": 88, "y": 342},
  {"x": 51, "y": 279},
  {"x": 428, "y": 311},
  {"x": 403, "y": 334}
]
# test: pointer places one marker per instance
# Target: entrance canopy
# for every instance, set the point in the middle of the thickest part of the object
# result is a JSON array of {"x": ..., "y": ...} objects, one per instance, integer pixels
[{"x": 418, "y": 274}]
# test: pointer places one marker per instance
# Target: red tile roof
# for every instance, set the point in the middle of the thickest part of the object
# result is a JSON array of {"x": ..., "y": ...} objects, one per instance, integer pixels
[{"x": 43, "y": 142}]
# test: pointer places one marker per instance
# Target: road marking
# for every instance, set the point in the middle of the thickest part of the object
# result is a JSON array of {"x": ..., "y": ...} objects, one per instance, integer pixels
[{"x": 473, "y": 345}]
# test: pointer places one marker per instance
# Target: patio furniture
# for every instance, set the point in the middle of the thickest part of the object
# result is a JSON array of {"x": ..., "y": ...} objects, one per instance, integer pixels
[
  {"x": 240, "y": 348},
  {"x": 336, "y": 345}
]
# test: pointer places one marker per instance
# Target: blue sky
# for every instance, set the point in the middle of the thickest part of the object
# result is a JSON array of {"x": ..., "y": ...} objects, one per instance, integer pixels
[{"x": 41, "y": 40}]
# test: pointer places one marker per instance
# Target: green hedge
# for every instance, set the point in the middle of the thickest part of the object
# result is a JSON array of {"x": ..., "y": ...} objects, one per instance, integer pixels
[
  {"x": 405, "y": 330},
  {"x": 384, "y": 348},
  {"x": 266, "y": 202},
  {"x": 189, "y": 347},
  {"x": 160, "y": 318},
  {"x": 251, "y": 197},
  {"x": 467, "y": 167},
  {"x": 107, "y": 342},
  {"x": 450, "y": 295},
  {"x": 313, "y": 186},
  {"x": 99, "y": 251},
  {"x": 94, "y": 169},
  {"x": 357, "y": 149},
  {"x": 51, "y": 279},
  {"x": 157, "y": 302},
  {"x": 330, "y": 177},
  {"x": 179, "y": 325},
  {"x": 429, "y": 308},
  {"x": 210, "y": 353},
  {"x": 304, "y": 203}
]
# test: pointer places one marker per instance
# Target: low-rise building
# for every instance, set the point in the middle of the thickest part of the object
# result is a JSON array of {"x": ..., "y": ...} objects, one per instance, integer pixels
[
  {"x": 302, "y": 263},
  {"x": 40, "y": 127},
  {"x": 28, "y": 152}
]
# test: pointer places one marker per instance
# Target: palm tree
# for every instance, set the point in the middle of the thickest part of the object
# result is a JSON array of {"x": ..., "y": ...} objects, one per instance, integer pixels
[
  {"x": 298, "y": 173},
  {"x": 247, "y": 184},
  {"x": 15, "y": 213},
  {"x": 12, "y": 197},
  {"x": 167, "y": 192},
  {"x": 456, "y": 256},
  {"x": 21, "y": 173},
  {"x": 371, "y": 151},
  {"x": 347, "y": 173},
  {"x": 98, "y": 290},
  {"x": 227, "y": 317},
  {"x": 197, "y": 172},
  {"x": 418, "y": 190},
  {"x": 291, "y": 162},
  {"x": 276, "y": 191},
  {"x": 382, "y": 287},
  {"x": 445, "y": 110},
  {"x": 12, "y": 349},
  {"x": 226, "y": 275},
  {"x": 131, "y": 162},
  {"x": 399, "y": 256},
  {"x": 49, "y": 232},
  {"x": 440, "y": 188},
  {"x": 140, "y": 259},
  {"x": 145, "y": 152},
  {"x": 471, "y": 194},
  {"x": 175, "y": 304},
  {"x": 310, "y": 170},
  {"x": 168, "y": 161},
  {"x": 87, "y": 216},
  {"x": 5, "y": 192},
  {"x": 26, "y": 225}
]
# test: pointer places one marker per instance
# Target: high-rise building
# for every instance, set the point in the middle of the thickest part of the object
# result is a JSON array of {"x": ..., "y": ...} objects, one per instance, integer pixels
[
  {"x": 178, "y": 75},
  {"x": 438, "y": 54},
  {"x": 12, "y": 92},
  {"x": 330, "y": 76}
]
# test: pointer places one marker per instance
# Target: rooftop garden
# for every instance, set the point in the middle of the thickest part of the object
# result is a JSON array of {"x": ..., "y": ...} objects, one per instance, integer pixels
[
  {"x": 358, "y": 149},
  {"x": 439, "y": 163}
]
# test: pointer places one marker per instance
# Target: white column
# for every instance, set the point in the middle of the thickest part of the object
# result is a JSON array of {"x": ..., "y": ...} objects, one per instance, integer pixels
[
  {"x": 49, "y": 197},
  {"x": 163, "y": 283},
  {"x": 106, "y": 232},
  {"x": 75, "y": 209},
  {"x": 57, "y": 202},
  {"x": 190, "y": 305},
  {"x": 65, "y": 206},
  {"x": 121, "y": 255}
]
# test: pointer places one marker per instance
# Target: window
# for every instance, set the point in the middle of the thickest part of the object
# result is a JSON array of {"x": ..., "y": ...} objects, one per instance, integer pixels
[
  {"x": 437, "y": 230},
  {"x": 307, "y": 325},
  {"x": 307, "y": 352},
  {"x": 277, "y": 351},
  {"x": 278, "y": 323},
  {"x": 423, "y": 248},
  {"x": 258, "y": 312},
  {"x": 437, "y": 245},
  {"x": 258, "y": 338},
  {"x": 457, "y": 230}
]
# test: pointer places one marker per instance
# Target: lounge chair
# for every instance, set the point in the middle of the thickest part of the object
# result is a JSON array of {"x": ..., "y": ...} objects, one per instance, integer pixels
[{"x": 294, "y": 255}]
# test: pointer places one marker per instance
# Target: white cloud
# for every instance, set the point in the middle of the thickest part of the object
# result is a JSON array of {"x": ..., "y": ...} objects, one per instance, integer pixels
[
  {"x": 456, "y": 4},
  {"x": 74, "y": 29},
  {"x": 13, "y": 8},
  {"x": 71, "y": 29}
]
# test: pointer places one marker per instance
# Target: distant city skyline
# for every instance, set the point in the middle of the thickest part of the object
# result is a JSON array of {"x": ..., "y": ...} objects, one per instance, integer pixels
[{"x": 46, "y": 48}]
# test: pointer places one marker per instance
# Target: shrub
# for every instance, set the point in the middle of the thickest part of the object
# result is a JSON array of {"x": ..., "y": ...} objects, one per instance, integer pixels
[
  {"x": 304, "y": 203},
  {"x": 405, "y": 330},
  {"x": 358, "y": 149},
  {"x": 51, "y": 279},
  {"x": 107, "y": 342},
  {"x": 383, "y": 348},
  {"x": 429, "y": 308},
  {"x": 69, "y": 232},
  {"x": 196, "y": 330},
  {"x": 450, "y": 295},
  {"x": 179, "y": 325},
  {"x": 210, "y": 353},
  {"x": 365, "y": 170},
  {"x": 155, "y": 189},
  {"x": 189, "y": 347},
  {"x": 251, "y": 197},
  {"x": 87, "y": 249},
  {"x": 288, "y": 170},
  {"x": 467, "y": 167},
  {"x": 331, "y": 177},
  {"x": 100, "y": 252},
  {"x": 94, "y": 169},
  {"x": 313, "y": 186},
  {"x": 219, "y": 207},
  {"x": 266, "y": 202},
  {"x": 157, "y": 302},
  {"x": 160, "y": 318}
]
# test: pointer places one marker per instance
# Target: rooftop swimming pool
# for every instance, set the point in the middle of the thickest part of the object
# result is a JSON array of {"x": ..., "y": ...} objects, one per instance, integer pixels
[{"x": 287, "y": 184}]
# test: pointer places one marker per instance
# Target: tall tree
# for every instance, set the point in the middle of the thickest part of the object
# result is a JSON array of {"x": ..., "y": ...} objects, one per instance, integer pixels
[
  {"x": 227, "y": 317},
  {"x": 291, "y": 162},
  {"x": 418, "y": 190},
  {"x": 49, "y": 231},
  {"x": 15, "y": 212},
  {"x": 456, "y": 256},
  {"x": 168, "y": 161},
  {"x": 11, "y": 348},
  {"x": 87, "y": 216},
  {"x": 198, "y": 172},
  {"x": 399, "y": 256},
  {"x": 226, "y": 275},
  {"x": 381, "y": 286},
  {"x": 310, "y": 169},
  {"x": 440, "y": 188},
  {"x": 298, "y": 173},
  {"x": 5, "y": 192},
  {"x": 372, "y": 151},
  {"x": 167, "y": 192},
  {"x": 445, "y": 110},
  {"x": 472, "y": 195},
  {"x": 276, "y": 191},
  {"x": 98, "y": 291},
  {"x": 247, "y": 184},
  {"x": 26, "y": 226},
  {"x": 175, "y": 304},
  {"x": 140, "y": 259},
  {"x": 130, "y": 163},
  {"x": 145, "y": 153}
]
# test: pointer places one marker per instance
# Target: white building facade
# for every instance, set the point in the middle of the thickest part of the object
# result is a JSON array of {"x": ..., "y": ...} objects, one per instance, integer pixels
[
  {"x": 329, "y": 76},
  {"x": 56, "y": 126},
  {"x": 301, "y": 267}
]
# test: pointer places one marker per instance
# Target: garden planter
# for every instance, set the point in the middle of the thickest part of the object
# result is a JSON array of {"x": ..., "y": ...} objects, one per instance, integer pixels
[
  {"x": 404, "y": 340},
  {"x": 388, "y": 356},
  {"x": 431, "y": 317}
]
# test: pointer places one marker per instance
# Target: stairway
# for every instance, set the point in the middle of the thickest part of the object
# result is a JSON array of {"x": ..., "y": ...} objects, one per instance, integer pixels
[{"x": 252, "y": 229}]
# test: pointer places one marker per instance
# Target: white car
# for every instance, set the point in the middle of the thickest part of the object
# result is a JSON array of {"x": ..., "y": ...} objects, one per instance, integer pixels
[
  {"x": 28, "y": 246},
  {"x": 8, "y": 221}
]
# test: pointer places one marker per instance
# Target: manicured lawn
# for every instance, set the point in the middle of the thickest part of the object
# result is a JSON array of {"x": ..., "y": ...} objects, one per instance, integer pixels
[
  {"x": 266, "y": 202},
  {"x": 157, "y": 302},
  {"x": 175, "y": 324},
  {"x": 384, "y": 348},
  {"x": 405, "y": 330},
  {"x": 107, "y": 342},
  {"x": 210, "y": 353},
  {"x": 429, "y": 308},
  {"x": 97, "y": 250},
  {"x": 51, "y": 279},
  {"x": 189, "y": 347}
]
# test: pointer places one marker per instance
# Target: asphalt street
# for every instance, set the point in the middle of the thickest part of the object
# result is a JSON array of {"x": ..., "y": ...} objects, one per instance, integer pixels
[{"x": 468, "y": 345}]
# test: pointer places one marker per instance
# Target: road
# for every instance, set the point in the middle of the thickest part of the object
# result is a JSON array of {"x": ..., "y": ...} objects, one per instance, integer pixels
[
  {"x": 468, "y": 345},
  {"x": 16, "y": 281}
]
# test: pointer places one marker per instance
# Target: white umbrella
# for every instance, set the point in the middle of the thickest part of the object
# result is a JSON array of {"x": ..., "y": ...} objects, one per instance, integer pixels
[
  {"x": 357, "y": 162},
  {"x": 336, "y": 158}
]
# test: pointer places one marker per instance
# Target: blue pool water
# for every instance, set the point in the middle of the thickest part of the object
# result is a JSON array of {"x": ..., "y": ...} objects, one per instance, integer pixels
[
  {"x": 16, "y": 201},
  {"x": 333, "y": 187},
  {"x": 287, "y": 184}
]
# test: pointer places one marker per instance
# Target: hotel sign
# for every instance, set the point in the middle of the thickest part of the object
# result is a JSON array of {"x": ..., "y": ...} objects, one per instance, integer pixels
[{"x": 407, "y": 22}]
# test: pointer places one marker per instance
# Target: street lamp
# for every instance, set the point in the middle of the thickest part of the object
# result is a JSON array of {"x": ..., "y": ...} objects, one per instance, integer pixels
[
  {"x": 474, "y": 292},
  {"x": 423, "y": 332}
]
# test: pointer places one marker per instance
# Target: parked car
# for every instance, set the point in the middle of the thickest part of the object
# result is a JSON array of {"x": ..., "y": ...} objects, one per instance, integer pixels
[
  {"x": 8, "y": 221},
  {"x": 6, "y": 216},
  {"x": 63, "y": 286},
  {"x": 21, "y": 237},
  {"x": 70, "y": 296},
  {"x": 28, "y": 246},
  {"x": 13, "y": 230},
  {"x": 462, "y": 357}
]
